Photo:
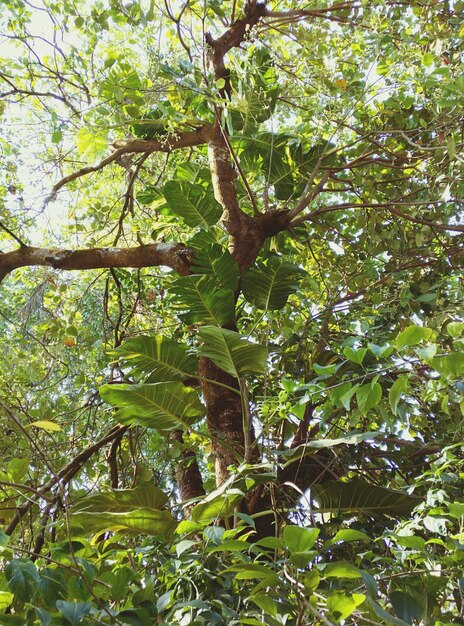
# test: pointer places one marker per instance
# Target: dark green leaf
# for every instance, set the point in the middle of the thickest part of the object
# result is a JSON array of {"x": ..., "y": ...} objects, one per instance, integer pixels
[{"x": 23, "y": 579}]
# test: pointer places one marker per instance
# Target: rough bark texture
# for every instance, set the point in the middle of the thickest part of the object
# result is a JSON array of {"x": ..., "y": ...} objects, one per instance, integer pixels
[
  {"x": 223, "y": 417},
  {"x": 171, "y": 255},
  {"x": 188, "y": 476}
]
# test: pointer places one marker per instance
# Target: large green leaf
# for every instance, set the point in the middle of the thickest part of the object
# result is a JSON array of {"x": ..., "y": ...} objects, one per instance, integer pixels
[
  {"x": 147, "y": 495},
  {"x": 156, "y": 358},
  {"x": 200, "y": 300},
  {"x": 218, "y": 504},
  {"x": 359, "y": 496},
  {"x": 163, "y": 406},
  {"x": 23, "y": 579},
  {"x": 268, "y": 284},
  {"x": 132, "y": 511},
  {"x": 215, "y": 261},
  {"x": 232, "y": 352},
  {"x": 195, "y": 204},
  {"x": 73, "y": 612},
  {"x": 138, "y": 521}
]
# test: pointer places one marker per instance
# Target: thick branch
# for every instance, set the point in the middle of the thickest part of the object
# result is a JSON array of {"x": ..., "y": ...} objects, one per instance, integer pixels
[{"x": 173, "y": 255}]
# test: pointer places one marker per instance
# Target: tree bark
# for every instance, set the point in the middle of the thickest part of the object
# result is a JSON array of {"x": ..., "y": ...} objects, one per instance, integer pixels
[{"x": 173, "y": 255}]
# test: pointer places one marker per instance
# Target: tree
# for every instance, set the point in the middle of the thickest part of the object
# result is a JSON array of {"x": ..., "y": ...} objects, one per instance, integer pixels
[{"x": 273, "y": 391}]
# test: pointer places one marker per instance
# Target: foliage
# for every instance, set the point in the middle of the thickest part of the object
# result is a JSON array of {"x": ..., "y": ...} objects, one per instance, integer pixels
[{"x": 265, "y": 426}]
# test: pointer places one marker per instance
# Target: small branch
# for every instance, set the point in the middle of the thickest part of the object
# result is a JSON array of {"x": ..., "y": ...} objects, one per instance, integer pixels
[
  {"x": 64, "y": 475},
  {"x": 309, "y": 194},
  {"x": 173, "y": 255},
  {"x": 11, "y": 233},
  {"x": 381, "y": 205},
  {"x": 170, "y": 142}
]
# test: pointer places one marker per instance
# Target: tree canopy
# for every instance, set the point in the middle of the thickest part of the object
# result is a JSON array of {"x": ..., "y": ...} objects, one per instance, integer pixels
[{"x": 231, "y": 324}]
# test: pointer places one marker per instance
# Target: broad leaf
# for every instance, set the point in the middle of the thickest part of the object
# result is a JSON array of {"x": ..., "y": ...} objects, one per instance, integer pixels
[
  {"x": 163, "y": 406},
  {"x": 193, "y": 203},
  {"x": 299, "y": 539},
  {"x": 220, "y": 503},
  {"x": 73, "y": 612},
  {"x": 23, "y": 579},
  {"x": 215, "y": 261},
  {"x": 368, "y": 396},
  {"x": 406, "y": 607},
  {"x": 231, "y": 352},
  {"x": 268, "y": 284},
  {"x": 131, "y": 511},
  {"x": 360, "y": 496},
  {"x": 199, "y": 300},
  {"x": 412, "y": 335},
  {"x": 137, "y": 521},
  {"x": 155, "y": 359},
  {"x": 147, "y": 494}
]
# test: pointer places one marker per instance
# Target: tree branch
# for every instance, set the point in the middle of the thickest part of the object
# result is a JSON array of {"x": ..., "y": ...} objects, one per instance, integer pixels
[
  {"x": 173, "y": 255},
  {"x": 389, "y": 206},
  {"x": 167, "y": 143}
]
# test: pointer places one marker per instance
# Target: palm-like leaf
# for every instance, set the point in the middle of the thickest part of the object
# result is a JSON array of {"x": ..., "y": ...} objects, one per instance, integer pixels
[
  {"x": 133, "y": 511},
  {"x": 156, "y": 359},
  {"x": 145, "y": 495},
  {"x": 268, "y": 284},
  {"x": 162, "y": 406},
  {"x": 193, "y": 203},
  {"x": 200, "y": 300},
  {"x": 232, "y": 352},
  {"x": 218, "y": 263},
  {"x": 359, "y": 496},
  {"x": 138, "y": 521}
]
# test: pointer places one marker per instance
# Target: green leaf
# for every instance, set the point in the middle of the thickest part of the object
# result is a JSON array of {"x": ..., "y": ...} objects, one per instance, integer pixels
[
  {"x": 52, "y": 585},
  {"x": 359, "y": 496},
  {"x": 267, "y": 285},
  {"x": 344, "y": 536},
  {"x": 298, "y": 539},
  {"x": 73, "y": 612},
  {"x": 349, "y": 440},
  {"x": 193, "y": 203},
  {"x": 147, "y": 494},
  {"x": 217, "y": 262},
  {"x": 341, "y": 604},
  {"x": 4, "y": 538},
  {"x": 199, "y": 300},
  {"x": 412, "y": 335},
  {"x": 355, "y": 355},
  {"x": 46, "y": 425},
  {"x": 265, "y": 603},
  {"x": 23, "y": 579},
  {"x": 427, "y": 59},
  {"x": 163, "y": 406},
  {"x": 134, "y": 522},
  {"x": 406, "y": 607},
  {"x": 156, "y": 359},
  {"x": 341, "y": 569},
  {"x": 455, "y": 329},
  {"x": 450, "y": 365},
  {"x": 368, "y": 396},
  {"x": 90, "y": 144},
  {"x": 6, "y": 599},
  {"x": 384, "y": 615},
  {"x": 396, "y": 390},
  {"x": 250, "y": 571},
  {"x": 44, "y": 616},
  {"x": 231, "y": 352}
]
